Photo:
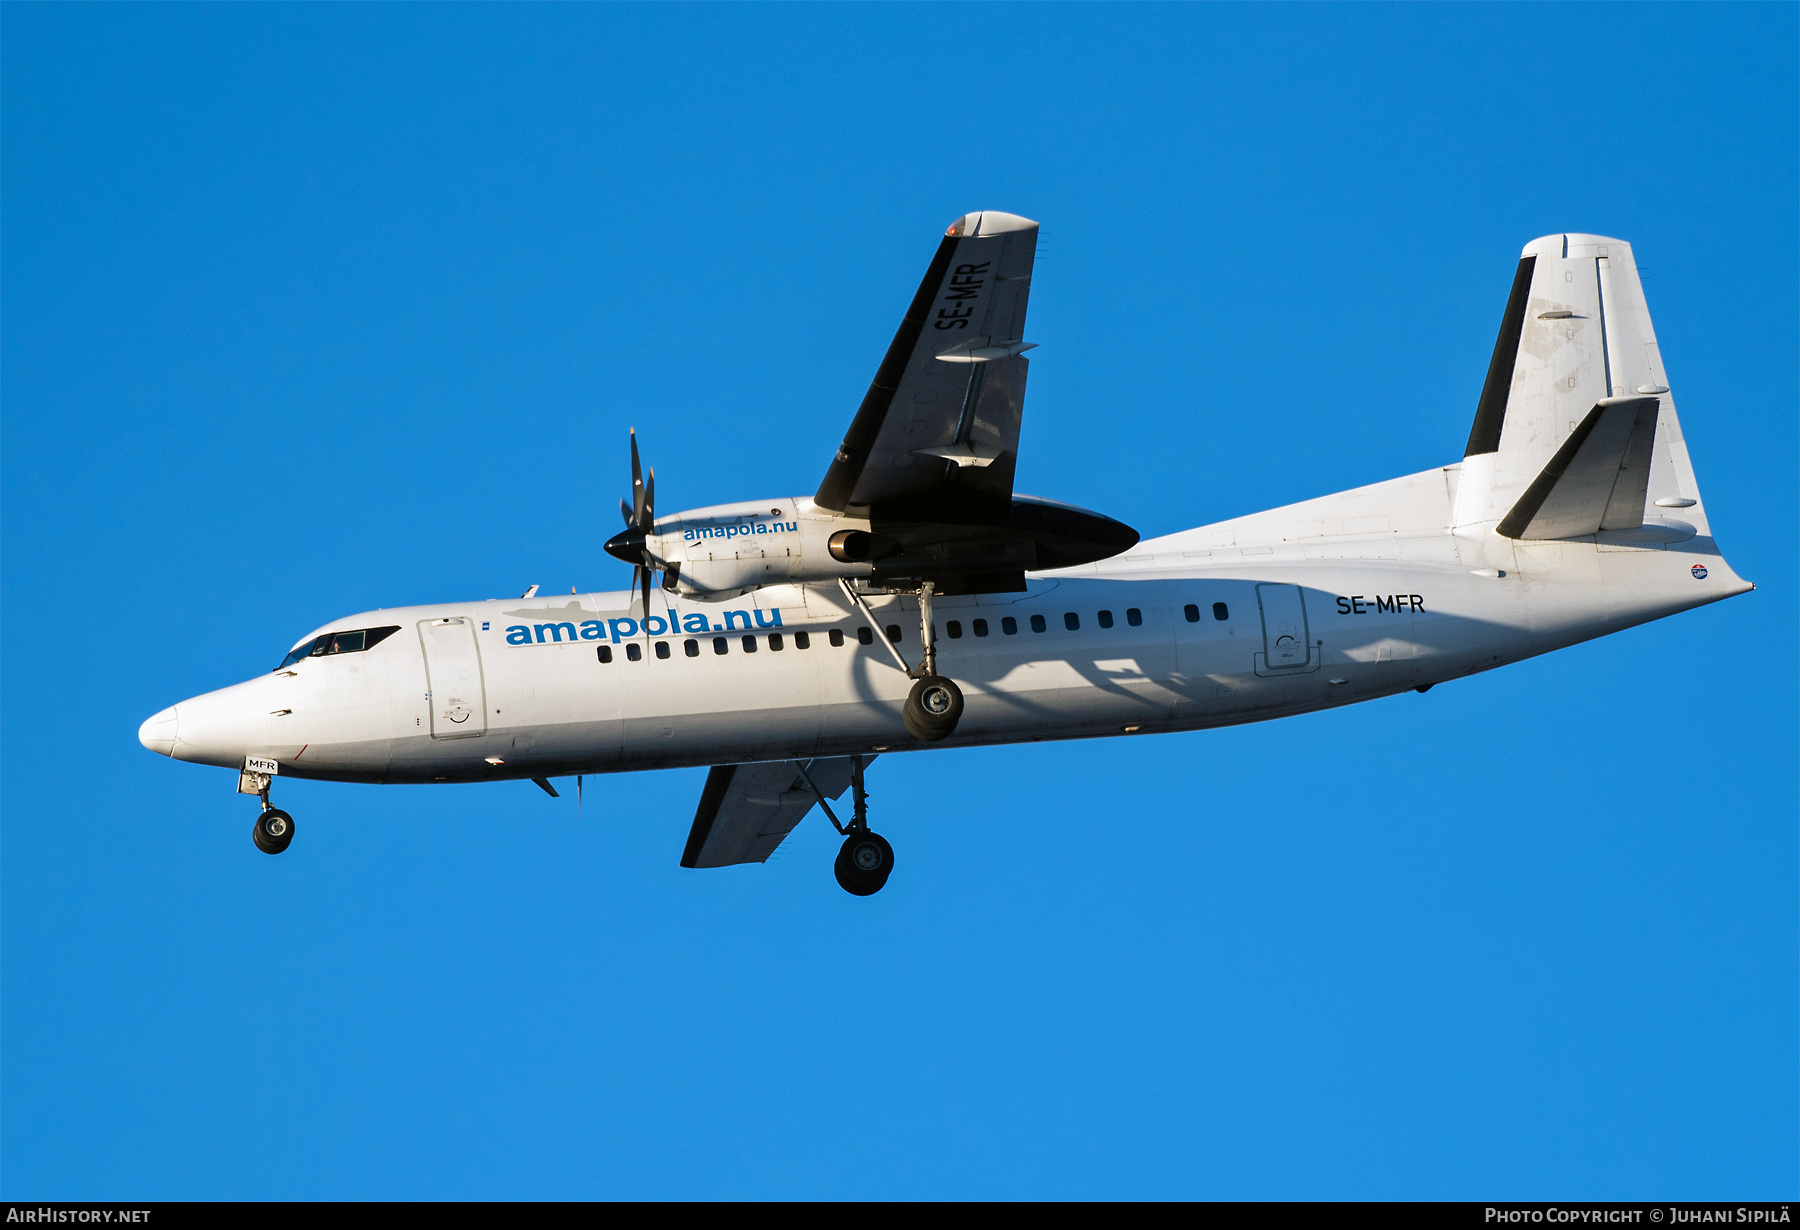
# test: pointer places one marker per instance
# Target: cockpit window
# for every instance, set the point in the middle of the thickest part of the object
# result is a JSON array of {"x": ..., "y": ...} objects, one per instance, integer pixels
[
  {"x": 338, "y": 642},
  {"x": 304, "y": 649}
]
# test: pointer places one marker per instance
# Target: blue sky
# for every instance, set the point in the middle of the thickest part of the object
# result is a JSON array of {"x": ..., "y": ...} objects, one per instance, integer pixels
[{"x": 309, "y": 310}]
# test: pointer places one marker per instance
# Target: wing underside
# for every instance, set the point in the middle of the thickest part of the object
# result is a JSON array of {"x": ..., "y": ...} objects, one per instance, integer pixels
[{"x": 747, "y": 810}]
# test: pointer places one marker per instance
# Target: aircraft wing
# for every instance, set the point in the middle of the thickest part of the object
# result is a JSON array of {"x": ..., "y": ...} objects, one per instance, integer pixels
[
  {"x": 747, "y": 809},
  {"x": 939, "y": 426}
]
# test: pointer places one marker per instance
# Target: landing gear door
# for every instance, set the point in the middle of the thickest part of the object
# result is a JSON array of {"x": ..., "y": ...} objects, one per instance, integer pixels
[
  {"x": 453, "y": 678},
  {"x": 1284, "y": 626}
]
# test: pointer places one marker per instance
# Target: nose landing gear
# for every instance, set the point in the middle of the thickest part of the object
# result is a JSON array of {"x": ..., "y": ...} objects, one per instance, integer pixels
[
  {"x": 274, "y": 829},
  {"x": 865, "y": 859}
]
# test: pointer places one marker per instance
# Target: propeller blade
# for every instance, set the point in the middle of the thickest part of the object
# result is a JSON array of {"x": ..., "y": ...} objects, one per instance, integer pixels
[
  {"x": 625, "y": 512},
  {"x": 637, "y": 483},
  {"x": 647, "y": 518},
  {"x": 645, "y": 572}
]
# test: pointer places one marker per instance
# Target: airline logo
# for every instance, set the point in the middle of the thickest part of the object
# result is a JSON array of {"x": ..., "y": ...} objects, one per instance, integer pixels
[
  {"x": 571, "y": 624},
  {"x": 738, "y": 529}
]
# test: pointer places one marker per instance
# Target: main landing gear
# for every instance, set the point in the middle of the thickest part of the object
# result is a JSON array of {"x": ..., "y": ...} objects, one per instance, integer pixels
[
  {"x": 865, "y": 859},
  {"x": 935, "y": 704}
]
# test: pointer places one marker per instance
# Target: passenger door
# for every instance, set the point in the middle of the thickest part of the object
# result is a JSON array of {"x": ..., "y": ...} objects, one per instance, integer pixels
[
  {"x": 1284, "y": 626},
  {"x": 453, "y": 678}
]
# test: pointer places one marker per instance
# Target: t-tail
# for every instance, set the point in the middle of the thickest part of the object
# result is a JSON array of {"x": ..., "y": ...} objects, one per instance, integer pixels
[{"x": 1576, "y": 435}]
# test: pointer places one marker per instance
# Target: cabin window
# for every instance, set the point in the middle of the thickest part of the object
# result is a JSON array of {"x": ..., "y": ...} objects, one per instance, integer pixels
[
  {"x": 802, "y": 640},
  {"x": 633, "y": 652},
  {"x": 1009, "y": 625},
  {"x": 1071, "y": 621},
  {"x": 1192, "y": 612},
  {"x": 1037, "y": 623},
  {"x": 865, "y": 635},
  {"x": 749, "y": 644},
  {"x": 836, "y": 637},
  {"x": 954, "y": 628},
  {"x": 691, "y": 648},
  {"x": 721, "y": 646},
  {"x": 662, "y": 649},
  {"x": 1220, "y": 612},
  {"x": 1133, "y": 616},
  {"x": 605, "y": 653},
  {"x": 893, "y": 631},
  {"x": 1105, "y": 618},
  {"x": 775, "y": 642},
  {"x": 980, "y": 626}
]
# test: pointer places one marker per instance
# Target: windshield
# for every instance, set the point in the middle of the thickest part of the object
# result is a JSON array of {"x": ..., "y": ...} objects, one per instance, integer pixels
[{"x": 338, "y": 642}]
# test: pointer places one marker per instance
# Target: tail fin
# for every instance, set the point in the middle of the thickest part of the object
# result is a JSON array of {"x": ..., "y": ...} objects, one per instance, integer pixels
[{"x": 1574, "y": 363}]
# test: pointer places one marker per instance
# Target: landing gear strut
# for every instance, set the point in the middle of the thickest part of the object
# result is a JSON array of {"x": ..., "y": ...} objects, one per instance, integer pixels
[{"x": 865, "y": 859}]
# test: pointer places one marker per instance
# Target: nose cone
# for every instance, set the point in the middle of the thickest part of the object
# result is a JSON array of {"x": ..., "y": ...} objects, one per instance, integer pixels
[{"x": 158, "y": 733}]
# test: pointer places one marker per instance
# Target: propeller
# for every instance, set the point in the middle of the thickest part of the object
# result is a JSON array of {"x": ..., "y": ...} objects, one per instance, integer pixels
[{"x": 632, "y": 544}]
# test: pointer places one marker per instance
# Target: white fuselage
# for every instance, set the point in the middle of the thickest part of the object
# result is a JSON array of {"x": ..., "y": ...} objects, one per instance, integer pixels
[{"x": 1300, "y": 609}]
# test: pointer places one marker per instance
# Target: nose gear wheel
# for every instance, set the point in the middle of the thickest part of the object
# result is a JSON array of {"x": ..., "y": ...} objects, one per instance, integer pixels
[{"x": 273, "y": 831}]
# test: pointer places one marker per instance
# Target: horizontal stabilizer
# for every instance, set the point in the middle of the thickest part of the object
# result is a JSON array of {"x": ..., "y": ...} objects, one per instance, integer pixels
[{"x": 1598, "y": 479}]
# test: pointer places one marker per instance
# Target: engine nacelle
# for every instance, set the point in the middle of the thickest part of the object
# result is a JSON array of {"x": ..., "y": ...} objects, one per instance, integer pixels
[
  {"x": 720, "y": 552},
  {"x": 729, "y": 549}
]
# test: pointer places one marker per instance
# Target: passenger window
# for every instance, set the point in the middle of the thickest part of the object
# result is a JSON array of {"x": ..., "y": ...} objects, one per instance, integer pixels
[
  {"x": 1037, "y": 623},
  {"x": 894, "y": 633},
  {"x": 721, "y": 646},
  {"x": 605, "y": 653},
  {"x": 775, "y": 642},
  {"x": 633, "y": 652},
  {"x": 1220, "y": 613},
  {"x": 865, "y": 635},
  {"x": 836, "y": 637},
  {"x": 347, "y": 642},
  {"x": 1133, "y": 616},
  {"x": 802, "y": 640},
  {"x": 1071, "y": 621},
  {"x": 662, "y": 649},
  {"x": 1192, "y": 612},
  {"x": 1106, "y": 619},
  {"x": 692, "y": 648},
  {"x": 1009, "y": 625},
  {"x": 980, "y": 626},
  {"x": 954, "y": 628},
  {"x": 749, "y": 644}
]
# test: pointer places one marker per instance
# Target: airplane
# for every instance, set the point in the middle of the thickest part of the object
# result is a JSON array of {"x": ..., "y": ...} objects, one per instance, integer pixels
[{"x": 915, "y": 601}]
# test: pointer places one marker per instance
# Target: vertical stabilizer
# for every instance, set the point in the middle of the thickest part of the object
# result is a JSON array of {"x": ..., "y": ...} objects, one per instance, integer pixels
[{"x": 1576, "y": 333}]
